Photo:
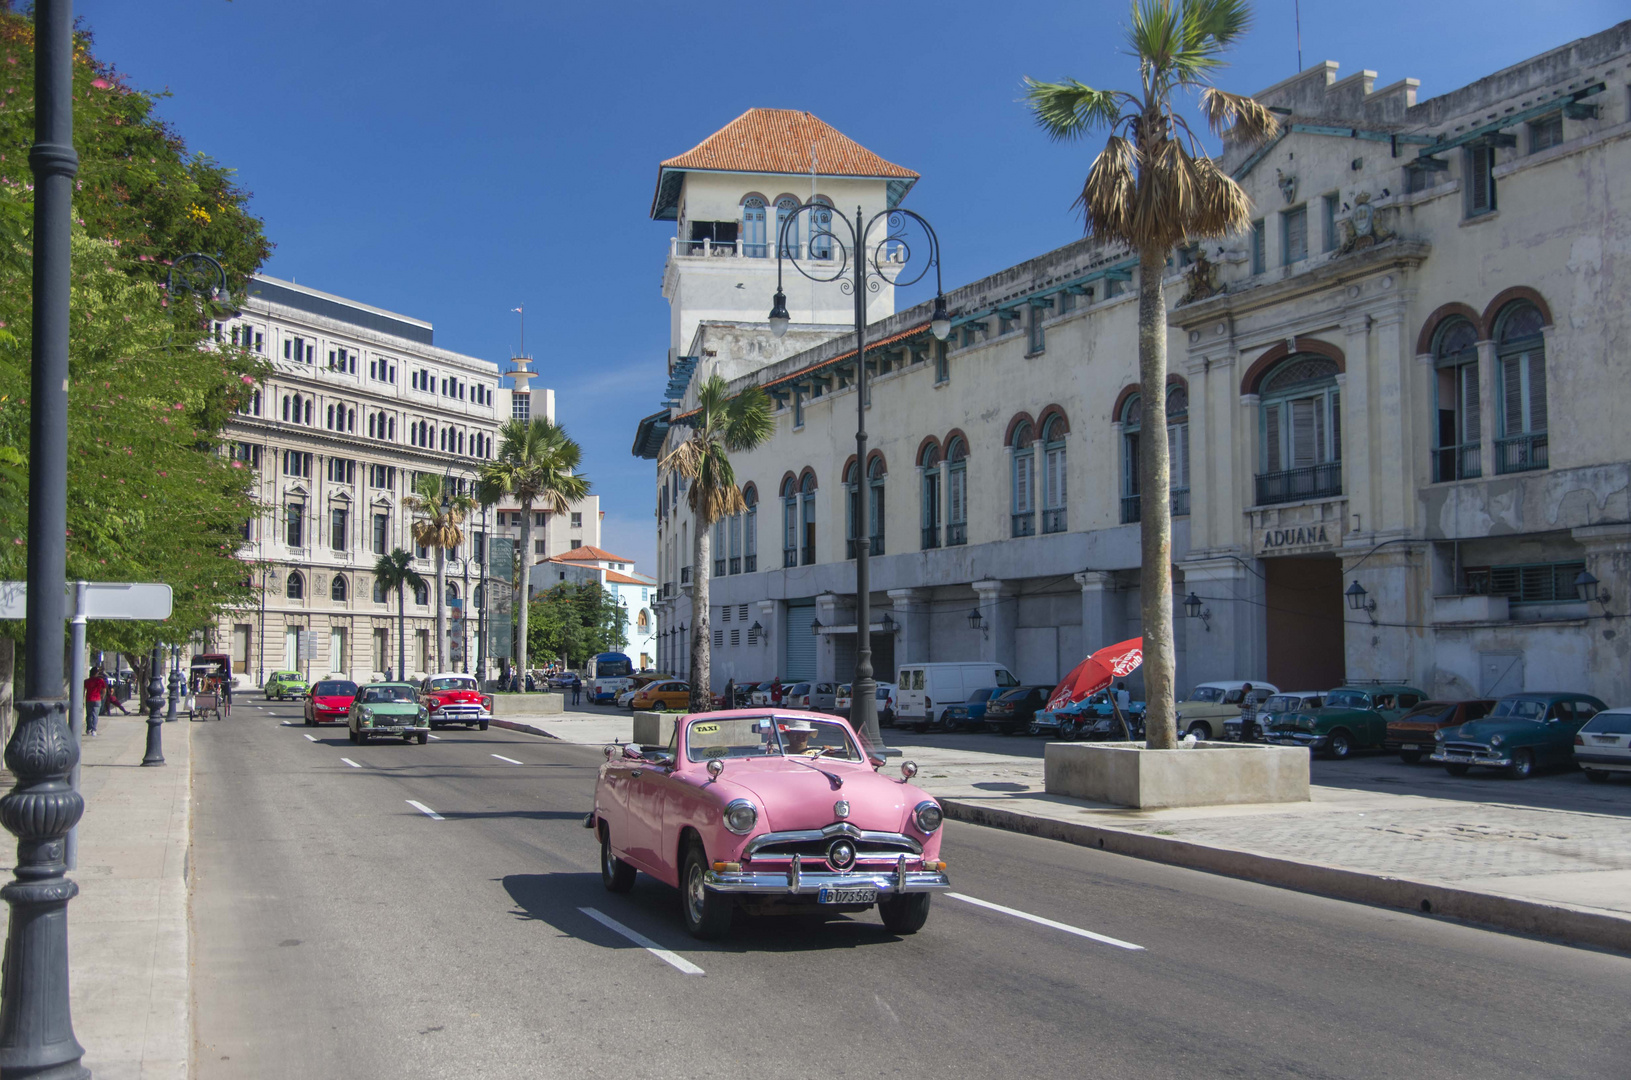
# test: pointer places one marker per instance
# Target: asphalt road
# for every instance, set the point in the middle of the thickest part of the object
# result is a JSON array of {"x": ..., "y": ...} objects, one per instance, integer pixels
[{"x": 338, "y": 930}]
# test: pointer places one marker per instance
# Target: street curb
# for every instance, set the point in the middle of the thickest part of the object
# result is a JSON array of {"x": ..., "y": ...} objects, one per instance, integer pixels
[
  {"x": 1563, "y": 922},
  {"x": 525, "y": 729}
]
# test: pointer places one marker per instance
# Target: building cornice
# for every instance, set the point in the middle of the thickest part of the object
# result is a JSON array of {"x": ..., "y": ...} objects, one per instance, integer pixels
[{"x": 1404, "y": 254}]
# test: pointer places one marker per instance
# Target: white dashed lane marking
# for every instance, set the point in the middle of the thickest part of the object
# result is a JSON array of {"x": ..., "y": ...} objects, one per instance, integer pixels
[
  {"x": 644, "y": 942},
  {"x": 438, "y": 738},
  {"x": 1040, "y": 921},
  {"x": 423, "y": 809},
  {"x": 511, "y": 760},
  {"x": 313, "y": 738},
  {"x": 351, "y": 763}
]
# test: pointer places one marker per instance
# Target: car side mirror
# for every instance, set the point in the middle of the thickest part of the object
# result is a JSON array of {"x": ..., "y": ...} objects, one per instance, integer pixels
[
  {"x": 632, "y": 752},
  {"x": 875, "y": 761}
]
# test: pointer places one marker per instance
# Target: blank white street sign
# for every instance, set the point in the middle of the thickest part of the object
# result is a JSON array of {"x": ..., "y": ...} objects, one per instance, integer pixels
[{"x": 103, "y": 600}]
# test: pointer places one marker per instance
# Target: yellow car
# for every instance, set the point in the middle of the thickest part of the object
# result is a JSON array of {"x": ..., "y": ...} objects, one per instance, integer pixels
[{"x": 666, "y": 694}]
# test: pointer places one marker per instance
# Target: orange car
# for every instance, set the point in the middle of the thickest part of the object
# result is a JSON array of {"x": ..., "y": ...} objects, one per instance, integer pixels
[{"x": 664, "y": 694}]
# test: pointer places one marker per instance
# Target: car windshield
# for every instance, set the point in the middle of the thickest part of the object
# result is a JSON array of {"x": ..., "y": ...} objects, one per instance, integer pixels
[
  {"x": 800, "y": 688},
  {"x": 385, "y": 695},
  {"x": 337, "y": 688},
  {"x": 1348, "y": 699},
  {"x": 1519, "y": 709},
  {"x": 453, "y": 684},
  {"x": 1282, "y": 702},
  {"x": 1431, "y": 710},
  {"x": 1208, "y": 693},
  {"x": 1609, "y": 723},
  {"x": 768, "y": 736},
  {"x": 982, "y": 695},
  {"x": 883, "y": 693},
  {"x": 843, "y": 690}
]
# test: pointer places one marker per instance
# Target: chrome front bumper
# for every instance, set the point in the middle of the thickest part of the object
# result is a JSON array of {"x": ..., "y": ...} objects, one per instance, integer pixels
[
  {"x": 1294, "y": 738},
  {"x": 1492, "y": 758},
  {"x": 797, "y": 881}
]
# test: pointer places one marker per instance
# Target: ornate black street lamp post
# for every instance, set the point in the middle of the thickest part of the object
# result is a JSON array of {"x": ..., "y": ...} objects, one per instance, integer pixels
[
  {"x": 155, "y": 709},
  {"x": 864, "y": 260},
  {"x": 36, "y": 1023},
  {"x": 175, "y": 680}
]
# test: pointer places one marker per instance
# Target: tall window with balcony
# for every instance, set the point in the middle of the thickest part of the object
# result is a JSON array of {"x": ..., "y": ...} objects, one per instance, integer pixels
[
  {"x": 753, "y": 228},
  {"x": 719, "y": 546},
  {"x": 1132, "y": 418},
  {"x": 736, "y": 544},
  {"x": 1456, "y": 449},
  {"x": 877, "y": 472},
  {"x": 821, "y": 230},
  {"x": 1053, "y": 475},
  {"x": 1178, "y": 447},
  {"x": 787, "y": 227},
  {"x": 1023, "y": 504},
  {"x": 1521, "y": 356},
  {"x": 750, "y": 530},
  {"x": 956, "y": 492},
  {"x": 807, "y": 518},
  {"x": 790, "y": 522},
  {"x": 928, "y": 463},
  {"x": 1301, "y": 431},
  {"x": 294, "y": 525},
  {"x": 852, "y": 506}
]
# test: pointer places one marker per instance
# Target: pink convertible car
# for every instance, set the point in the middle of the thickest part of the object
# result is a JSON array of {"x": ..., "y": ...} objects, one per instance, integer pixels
[{"x": 778, "y": 811}]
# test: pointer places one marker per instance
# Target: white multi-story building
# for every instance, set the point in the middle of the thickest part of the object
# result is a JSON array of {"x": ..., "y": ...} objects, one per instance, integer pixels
[
  {"x": 359, "y": 403},
  {"x": 633, "y": 590},
  {"x": 1394, "y": 413}
]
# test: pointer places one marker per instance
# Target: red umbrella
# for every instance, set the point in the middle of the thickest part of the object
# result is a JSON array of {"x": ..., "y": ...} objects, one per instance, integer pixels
[{"x": 1096, "y": 672}]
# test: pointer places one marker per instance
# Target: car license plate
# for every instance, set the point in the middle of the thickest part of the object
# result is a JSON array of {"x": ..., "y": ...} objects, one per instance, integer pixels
[
  {"x": 1409, "y": 746},
  {"x": 1460, "y": 759},
  {"x": 830, "y": 895}
]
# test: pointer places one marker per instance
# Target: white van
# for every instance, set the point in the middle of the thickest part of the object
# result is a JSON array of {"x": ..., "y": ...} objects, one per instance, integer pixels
[{"x": 926, "y": 689}]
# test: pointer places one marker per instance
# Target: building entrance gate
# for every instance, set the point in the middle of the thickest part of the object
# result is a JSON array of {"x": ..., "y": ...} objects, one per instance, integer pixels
[{"x": 1306, "y": 622}]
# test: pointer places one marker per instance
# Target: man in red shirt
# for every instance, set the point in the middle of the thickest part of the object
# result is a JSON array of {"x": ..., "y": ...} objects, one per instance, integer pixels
[{"x": 95, "y": 687}]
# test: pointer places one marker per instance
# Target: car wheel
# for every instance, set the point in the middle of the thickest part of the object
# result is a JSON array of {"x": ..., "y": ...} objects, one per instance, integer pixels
[
  {"x": 707, "y": 914},
  {"x": 482, "y": 726},
  {"x": 1201, "y": 732},
  {"x": 1340, "y": 746},
  {"x": 423, "y": 737},
  {"x": 362, "y": 738},
  {"x": 1596, "y": 776},
  {"x": 921, "y": 728},
  {"x": 1410, "y": 757},
  {"x": 352, "y": 735},
  {"x": 615, "y": 874},
  {"x": 1523, "y": 763},
  {"x": 1457, "y": 770},
  {"x": 904, "y": 914}
]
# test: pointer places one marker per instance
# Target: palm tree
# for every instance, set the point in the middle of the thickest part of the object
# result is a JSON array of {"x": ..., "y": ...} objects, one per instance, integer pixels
[
  {"x": 537, "y": 466},
  {"x": 1151, "y": 187},
  {"x": 721, "y": 426},
  {"x": 439, "y": 514},
  {"x": 395, "y": 571}
]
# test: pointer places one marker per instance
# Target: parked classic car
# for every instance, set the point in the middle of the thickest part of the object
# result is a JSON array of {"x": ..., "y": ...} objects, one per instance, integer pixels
[
  {"x": 783, "y": 812},
  {"x": 1211, "y": 704},
  {"x": 330, "y": 701},
  {"x": 1521, "y": 732},
  {"x": 388, "y": 708},
  {"x": 663, "y": 694},
  {"x": 969, "y": 714},
  {"x": 1093, "y": 717},
  {"x": 1603, "y": 746},
  {"x": 1013, "y": 710},
  {"x": 1352, "y": 718},
  {"x": 452, "y": 698},
  {"x": 281, "y": 685},
  {"x": 1283, "y": 702},
  {"x": 1412, "y": 734}
]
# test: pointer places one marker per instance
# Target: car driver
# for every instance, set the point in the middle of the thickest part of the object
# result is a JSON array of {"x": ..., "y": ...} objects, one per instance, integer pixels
[{"x": 796, "y": 737}]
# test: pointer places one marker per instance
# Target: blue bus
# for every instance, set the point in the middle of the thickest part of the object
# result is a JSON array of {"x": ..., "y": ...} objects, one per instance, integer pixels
[{"x": 613, "y": 665}]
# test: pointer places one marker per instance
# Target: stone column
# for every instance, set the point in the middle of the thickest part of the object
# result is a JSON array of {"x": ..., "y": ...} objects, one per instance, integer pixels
[
  {"x": 1357, "y": 412},
  {"x": 1231, "y": 642},
  {"x": 911, "y": 614},
  {"x": 1394, "y": 455},
  {"x": 769, "y": 644},
  {"x": 1103, "y": 620},
  {"x": 1489, "y": 394},
  {"x": 1608, "y": 558},
  {"x": 1000, "y": 611}
]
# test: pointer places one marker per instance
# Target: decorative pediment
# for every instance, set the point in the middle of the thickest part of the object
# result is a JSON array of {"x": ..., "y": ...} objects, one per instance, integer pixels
[
  {"x": 296, "y": 489},
  {"x": 339, "y": 496}
]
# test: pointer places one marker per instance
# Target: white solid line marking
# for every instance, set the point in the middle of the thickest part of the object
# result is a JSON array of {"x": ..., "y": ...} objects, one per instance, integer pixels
[
  {"x": 351, "y": 763},
  {"x": 313, "y": 738},
  {"x": 423, "y": 809},
  {"x": 1117, "y": 942},
  {"x": 511, "y": 760},
  {"x": 644, "y": 942},
  {"x": 438, "y": 738}
]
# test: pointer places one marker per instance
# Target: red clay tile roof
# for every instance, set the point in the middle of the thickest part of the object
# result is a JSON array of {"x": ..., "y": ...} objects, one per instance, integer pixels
[
  {"x": 627, "y": 579},
  {"x": 589, "y": 553},
  {"x": 780, "y": 141}
]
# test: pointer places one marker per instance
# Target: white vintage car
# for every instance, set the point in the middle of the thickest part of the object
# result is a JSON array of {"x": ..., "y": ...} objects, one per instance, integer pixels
[{"x": 1211, "y": 704}]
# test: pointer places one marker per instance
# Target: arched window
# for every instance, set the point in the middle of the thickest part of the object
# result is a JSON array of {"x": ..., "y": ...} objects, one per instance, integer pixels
[
  {"x": 790, "y": 522},
  {"x": 452, "y": 592},
  {"x": 807, "y": 518},
  {"x": 1178, "y": 447},
  {"x": 421, "y": 595},
  {"x": 1457, "y": 430},
  {"x": 1053, "y": 475},
  {"x": 1024, "y": 480},
  {"x": 296, "y": 589},
  {"x": 1131, "y": 418},
  {"x": 877, "y": 472},
  {"x": 821, "y": 229},
  {"x": 285, "y": 406},
  {"x": 351, "y": 419},
  {"x": 750, "y": 530},
  {"x": 786, "y": 207},
  {"x": 956, "y": 492},
  {"x": 929, "y": 464},
  {"x": 338, "y": 591},
  {"x": 379, "y": 590},
  {"x": 331, "y": 418},
  {"x": 736, "y": 543},
  {"x": 852, "y": 506},
  {"x": 642, "y": 621},
  {"x": 753, "y": 228},
  {"x": 1521, "y": 354},
  {"x": 1301, "y": 430},
  {"x": 308, "y": 411},
  {"x": 719, "y": 547},
  {"x": 372, "y": 424}
]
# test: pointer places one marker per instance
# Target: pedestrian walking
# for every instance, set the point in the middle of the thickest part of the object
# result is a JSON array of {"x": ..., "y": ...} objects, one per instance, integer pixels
[
  {"x": 730, "y": 693},
  {"x": 95, "y": 687},
  {"x": 577, "y": 688},
  {"x": 1248, "y": 715},
  {"x": 776, "y": 691},
  {"x": 1123, "y": 698}
]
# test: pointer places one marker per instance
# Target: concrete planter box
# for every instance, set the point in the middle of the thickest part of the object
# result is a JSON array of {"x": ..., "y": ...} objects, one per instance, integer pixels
[
  {"x": 506, "y": 706},
  {"x": 654, "y": 728},
  {"x": 1209, "y": 774}
]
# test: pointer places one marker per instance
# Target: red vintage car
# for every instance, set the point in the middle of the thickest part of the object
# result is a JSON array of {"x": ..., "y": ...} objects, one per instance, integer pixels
[
  {"x": 452, "y": 698},
  {"x": 329, "y": 701},
  {"x": 773, "y": 811}
]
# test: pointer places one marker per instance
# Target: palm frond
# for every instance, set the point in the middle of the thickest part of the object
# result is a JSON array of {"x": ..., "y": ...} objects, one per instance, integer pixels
[
  {"x": 1219, "y": 22},
  {"x": 1110, "y": 192},
  {"x": 749, "y": 420},
  {"x": 1224, "y": 207},
  {"x": 1069, "y": 110},
  {"x": 1245, "y": 119}
]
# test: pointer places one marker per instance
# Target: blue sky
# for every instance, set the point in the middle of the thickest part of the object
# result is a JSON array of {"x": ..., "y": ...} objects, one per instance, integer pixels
[{"x": 451, "y": 161}]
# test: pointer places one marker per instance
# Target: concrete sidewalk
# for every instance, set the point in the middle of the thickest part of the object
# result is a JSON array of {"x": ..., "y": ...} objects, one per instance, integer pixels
[
  {"x": 127, "y": 929},
  {"x": 1555, "y": 873}
]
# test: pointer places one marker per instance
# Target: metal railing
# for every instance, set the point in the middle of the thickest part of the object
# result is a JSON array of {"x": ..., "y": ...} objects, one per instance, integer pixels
[
  {"x": 1309, "y": 482},
  {"x": 790, "y": 557},
  {"x": 1521, "y": 453},
  {"x": 931, "y": 537},
  {"x": 874, "y": 548},
  {"x": 957, "y": 534},
  {"x": 1132, "y": 506},
  {"x": 1180, "y": 502},
  {"x": 1024, "y": 524},
  {"x": 750, "y": 564},
  {"x": 1464, "y": 462},
  {"x": 719, "y": 568},
  {"x": 736, "y": 564},
  {"x": 1053, "y": 520}
]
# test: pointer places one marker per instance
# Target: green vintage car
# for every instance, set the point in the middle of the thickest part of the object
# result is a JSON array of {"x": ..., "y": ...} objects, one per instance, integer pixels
[
  {"x": 1352, "y": 718},
  {"x": 1520, "y": 733},
  {"x": 281, "y": 685},
  {"x": 388, "y": 709}
]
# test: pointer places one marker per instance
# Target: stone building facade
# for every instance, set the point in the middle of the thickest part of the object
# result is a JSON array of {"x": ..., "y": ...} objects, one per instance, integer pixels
[{"x": 1394, "y": 411}]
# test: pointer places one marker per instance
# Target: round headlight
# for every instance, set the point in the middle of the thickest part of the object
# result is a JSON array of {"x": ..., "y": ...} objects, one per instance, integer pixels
[
  {"x": 740, "y": 817},
  {"x": 928, "y": 816},
  {"x": 1496, "y": 740},
  {"x": 1438, "y": 736}
]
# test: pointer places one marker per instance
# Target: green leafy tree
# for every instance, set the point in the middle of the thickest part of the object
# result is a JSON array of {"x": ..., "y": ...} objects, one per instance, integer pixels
[
  {"x": 537, "y": 465},
  {"x": 721, "y": 426},
  {"x": 577, "y": 621},
  {"x": 440, "y": 512},
  {"x": 1150, "y": 188},
  {"x": 395, "y": 573}
]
